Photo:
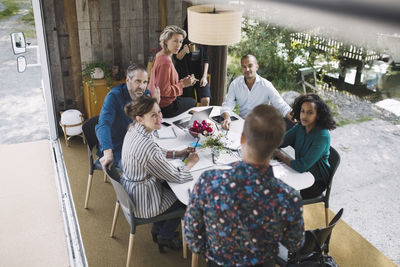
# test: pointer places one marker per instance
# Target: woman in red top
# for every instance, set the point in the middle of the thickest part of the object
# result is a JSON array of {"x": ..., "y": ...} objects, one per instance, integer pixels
[{"x": 164, "y": 75}]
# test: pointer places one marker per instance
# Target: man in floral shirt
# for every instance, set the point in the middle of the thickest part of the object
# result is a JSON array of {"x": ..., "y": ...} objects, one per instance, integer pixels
[{"x": 237, "y": 217}]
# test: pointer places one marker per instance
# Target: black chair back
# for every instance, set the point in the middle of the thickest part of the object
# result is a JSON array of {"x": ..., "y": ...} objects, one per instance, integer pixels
[
  {"x": 89, "y": 132},
  {"x": 334, "y": 161},
  {"x": 318, "y": 239}
]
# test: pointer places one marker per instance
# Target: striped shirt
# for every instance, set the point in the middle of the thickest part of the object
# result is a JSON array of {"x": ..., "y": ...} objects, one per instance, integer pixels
[{"x": 145, "y": 167}]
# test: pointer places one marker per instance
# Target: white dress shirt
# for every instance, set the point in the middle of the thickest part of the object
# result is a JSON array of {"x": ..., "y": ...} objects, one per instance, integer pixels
[{"x": 262, "y": 92}]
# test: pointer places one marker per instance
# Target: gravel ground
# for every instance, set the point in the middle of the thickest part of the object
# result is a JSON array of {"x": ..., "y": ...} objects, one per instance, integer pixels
[{"x": 23, "y": 116}]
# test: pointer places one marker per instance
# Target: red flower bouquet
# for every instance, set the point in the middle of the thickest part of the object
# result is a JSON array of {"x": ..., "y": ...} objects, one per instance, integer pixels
[{"x": 203, "y": 128}]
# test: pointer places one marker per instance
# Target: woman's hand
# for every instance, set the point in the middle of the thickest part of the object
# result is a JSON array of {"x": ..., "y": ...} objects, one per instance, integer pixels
[
  {"x": 277, "y": 154},
  {"x": 181, "y": 54},
  {"x": 192, "y": 159},
  {"x": 184, "y": 153},
  {"x": 203, "y": 81},
  {"x": 282, "y": 157},
  {"x": 188, "y": 80}
]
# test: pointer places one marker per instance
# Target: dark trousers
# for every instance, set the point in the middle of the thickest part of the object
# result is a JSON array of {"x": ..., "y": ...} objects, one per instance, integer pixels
[
  {"x": 200, "y": 91},
  {"x": 265, "y": 264},
  {"x": 313, "y": 191},
  {"x": 166, "y": 229},
  {"x": 319, "y": 186},
  {"x": 180, "y": 105}
]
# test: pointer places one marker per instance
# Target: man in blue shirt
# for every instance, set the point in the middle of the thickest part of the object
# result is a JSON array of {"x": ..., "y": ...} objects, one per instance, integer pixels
[
  {"x": 113, "y": 122},
  {"x": 238, "y": 216}
]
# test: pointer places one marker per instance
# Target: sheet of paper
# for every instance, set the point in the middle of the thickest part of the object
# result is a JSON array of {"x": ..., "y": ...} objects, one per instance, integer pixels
[
  {"x": 166, "y": 133},
  {"x": 233, "y": 140}
]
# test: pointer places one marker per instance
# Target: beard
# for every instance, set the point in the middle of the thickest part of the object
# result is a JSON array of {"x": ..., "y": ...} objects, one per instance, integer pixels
[{"x": 138, "y": 92}]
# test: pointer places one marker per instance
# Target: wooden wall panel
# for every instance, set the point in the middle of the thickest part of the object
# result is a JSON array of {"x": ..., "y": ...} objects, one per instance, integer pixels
[
  {"x": 74, "y": 53},
  {"x": 137, "y": 50},
  {"x": 154, "y": 31},
  {"x": 121, "y": 32},
  {"x": 82, "y": 13},
  {"x": 116, "y": 33},
  {"x": 60, "y": 22},
  {"x": 94, "y": 19},
  {"x": 145, "y": 38},
  {"x": 106, "y": 36},
  {"x": 174, "y": 13}
]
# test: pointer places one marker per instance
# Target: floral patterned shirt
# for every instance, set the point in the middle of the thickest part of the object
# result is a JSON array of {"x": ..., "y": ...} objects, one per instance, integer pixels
[{"x": 237, "y": 217}]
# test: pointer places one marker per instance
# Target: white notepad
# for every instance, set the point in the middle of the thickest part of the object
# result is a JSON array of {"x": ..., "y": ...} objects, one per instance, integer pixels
[{"x": 165, "y": 133}]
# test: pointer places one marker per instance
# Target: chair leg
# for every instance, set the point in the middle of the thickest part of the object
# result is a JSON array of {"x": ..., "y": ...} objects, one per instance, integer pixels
[
  {"x": 114, "y": 222},
  {"x": 195, "y": 259},
  {"x": 130, "y": 248},
  {"x": 184, "y": 246},
  {"x": 105, "y": 177},
  {"x": 83, "y": 138},
  {"x": 65, "y": 136},
  {"x": 89, "y": 186},
  {"x": 326, "y": 217}
]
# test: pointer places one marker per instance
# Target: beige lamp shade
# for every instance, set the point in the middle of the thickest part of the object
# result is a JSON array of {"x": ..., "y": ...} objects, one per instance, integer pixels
[{"x": 207, "y": 27}]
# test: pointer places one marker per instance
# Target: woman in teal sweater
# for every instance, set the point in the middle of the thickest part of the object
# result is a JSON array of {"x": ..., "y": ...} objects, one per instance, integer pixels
[{"x": 310, "y": 139}]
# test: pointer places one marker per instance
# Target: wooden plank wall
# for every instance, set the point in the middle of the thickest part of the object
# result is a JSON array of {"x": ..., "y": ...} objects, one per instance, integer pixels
[
  {"x": 121, "y": 32},
  {"x": 117, "y": 32},
  {"x": 63, "y": 51}
]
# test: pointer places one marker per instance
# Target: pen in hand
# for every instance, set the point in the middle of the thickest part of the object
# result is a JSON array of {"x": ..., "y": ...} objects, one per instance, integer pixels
[{"x": 194, "y": 149}]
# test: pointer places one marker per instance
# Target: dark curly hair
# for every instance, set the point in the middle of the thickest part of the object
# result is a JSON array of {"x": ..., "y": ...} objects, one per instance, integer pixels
[{"x": 324, "y": 115}]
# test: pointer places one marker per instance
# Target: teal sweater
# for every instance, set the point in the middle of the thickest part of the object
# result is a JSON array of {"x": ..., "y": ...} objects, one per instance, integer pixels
[{"x": 311, "y": 151}]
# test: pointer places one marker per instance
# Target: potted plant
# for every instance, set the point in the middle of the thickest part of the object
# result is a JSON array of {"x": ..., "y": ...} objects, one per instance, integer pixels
[{"x": 94, "y": 71}]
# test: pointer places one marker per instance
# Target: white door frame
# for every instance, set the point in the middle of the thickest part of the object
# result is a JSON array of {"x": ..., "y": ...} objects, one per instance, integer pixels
[{"x": 73, "y": 236}]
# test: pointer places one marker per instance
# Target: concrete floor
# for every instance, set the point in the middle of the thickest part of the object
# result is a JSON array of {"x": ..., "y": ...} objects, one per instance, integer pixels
[{"x": 32, "y": 229}]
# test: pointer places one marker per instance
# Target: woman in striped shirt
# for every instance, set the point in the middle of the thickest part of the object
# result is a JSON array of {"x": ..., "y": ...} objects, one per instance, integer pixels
[{"x": 145, "y": 168}]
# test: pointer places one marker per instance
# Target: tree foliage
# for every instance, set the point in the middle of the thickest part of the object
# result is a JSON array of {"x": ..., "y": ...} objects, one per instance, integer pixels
[{"x": 279, "y": 58}]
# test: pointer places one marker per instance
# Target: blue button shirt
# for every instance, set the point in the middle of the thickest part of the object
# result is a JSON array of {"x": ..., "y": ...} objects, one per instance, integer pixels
[{"x": 113, "y": 122}]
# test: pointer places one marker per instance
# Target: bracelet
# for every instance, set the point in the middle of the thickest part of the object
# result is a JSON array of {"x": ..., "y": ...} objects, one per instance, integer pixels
[{"x": 173, "y": 154}]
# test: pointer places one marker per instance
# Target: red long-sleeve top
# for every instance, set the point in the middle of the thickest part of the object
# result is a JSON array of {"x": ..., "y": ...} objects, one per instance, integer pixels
[{"x": 164, "y": 75}]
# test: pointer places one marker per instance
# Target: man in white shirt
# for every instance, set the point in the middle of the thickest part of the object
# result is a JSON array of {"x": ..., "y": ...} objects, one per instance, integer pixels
[{"x": 249, "y": 91}]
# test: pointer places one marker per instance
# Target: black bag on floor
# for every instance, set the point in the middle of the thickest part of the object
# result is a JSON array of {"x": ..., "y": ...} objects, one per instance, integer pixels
[
  {"x": 313, "y": 259},
  {"x": 314, "y": 252}
]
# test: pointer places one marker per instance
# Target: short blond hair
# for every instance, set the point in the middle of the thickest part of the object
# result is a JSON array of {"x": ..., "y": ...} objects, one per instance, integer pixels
[{"x": 168, "y": 32}]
